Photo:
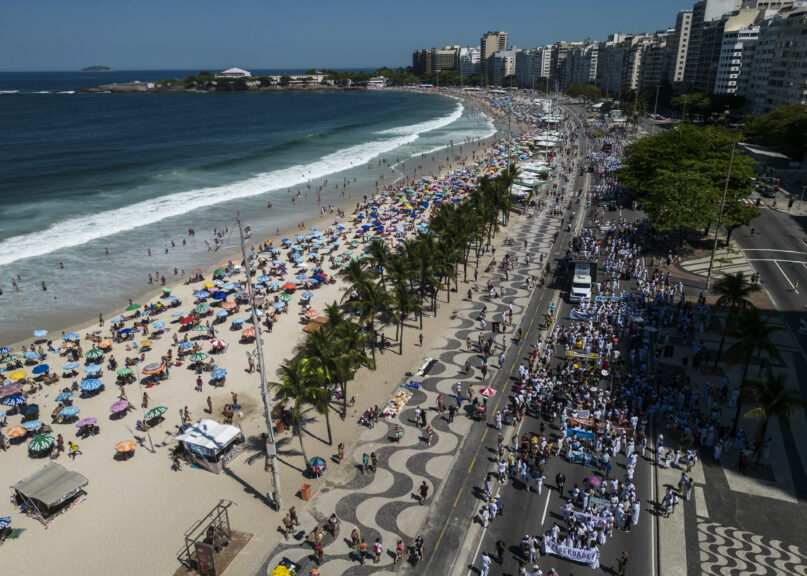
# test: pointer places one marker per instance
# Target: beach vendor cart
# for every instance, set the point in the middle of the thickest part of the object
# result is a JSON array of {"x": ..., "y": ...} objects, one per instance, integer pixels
[{"x": 210, "y": 445}]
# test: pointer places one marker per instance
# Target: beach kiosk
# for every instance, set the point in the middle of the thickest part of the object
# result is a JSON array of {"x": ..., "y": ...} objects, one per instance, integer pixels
[
  {"x": 210, "y": 445},
  {"x": 47, "y": 493}
]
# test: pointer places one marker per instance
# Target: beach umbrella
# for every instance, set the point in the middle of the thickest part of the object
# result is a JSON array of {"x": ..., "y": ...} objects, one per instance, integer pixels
[
  {"x": 41, "y": 369},
  {"x": 18, "y": 375},
  {"x": 230, "y": 286},
  {"x": 94, "y": 354},
  {"x": 220, "y": 295},
  {"x": 208, "y": 285},
  {"x": 71, "y": 336},
  {"x": 228, "y": 305},
  {"x": 32, "y": 425},
  {"x": 124, "y": 372},
  {"x": 119, "y": 406},
  {"x": 200, "y": 328},
  {"x": 311, "y": 314},
  {"x": 146, "y": 343},
  {"x": 11, "y": 358},
  {"x": 92, "y": 368},
  {"x": 159, "y": 325},
  {"x": 10, "y": 389},
  {"x": 176, "y": 314},
  {"x": 218, "y": 373},
  {"x": 222, "y": 314},
  {"x": 5, "y": 522},
  {"x": 31, "y": 355},
  {"x": 154, "y": 367},
  {"x": 125, "y": 446},
  {"x": 131, "y": 307},
  {"x": 198, "y": 357},
  {"x": 201, "y": 294},
  {"x": 186, "y": 320},
  {"x": 279, "y": 305},
  {"x": 64, "y": 396},
  {"x": 5, "y": 350},
  {"x": 91, "y": 384},
  {"x": 166, "y": 291},
  {"x": 203, "y": 308},
  {"x": 185, "y": 345},
  {"x": 273, "y": 284},
  {"x": 290, "y": 286},
  {"x": 285, "y": 297},
  {"x": 15, "y": 432},
  {"x": 40, "y": 333},
  {"x": 116, "y": 320},
  {"x": 487, "y": 392},
  {"x": 248, "y": 333},
  {"x": 218, "y": 272},
  {"x": 171, "y": 299},
  {"x": 217, "y": 343},
  {"x": 86, "y": 422},
  {"x": 155, "y": 412},
  {"x": 238, "y": 320},
  {"x": 105, "y": 343},
  {"x": 126, "y": 331},
  {"x": 70, "y": 411},
  {"x": 70, "y": 367},
  {"x": 15, "y": 400},
  {"x": 263, "y": 278},
  {"x": 307, "y": 295},
  {"x": 41, "y": 442}
]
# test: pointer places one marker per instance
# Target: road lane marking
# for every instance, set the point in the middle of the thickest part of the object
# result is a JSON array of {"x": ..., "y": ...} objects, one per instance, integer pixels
[
  {"x": 783, "y": 274},
  {"x": 775, "y": 260},
  {"x": 471, "y": 467},
  {"x": 458, "y": 498},
  {"x": 485, "y": 433},
  {"x": 546, "y": 506},
  {"x": 436, "y": 546},
  {"x": 769, "y": 250}
]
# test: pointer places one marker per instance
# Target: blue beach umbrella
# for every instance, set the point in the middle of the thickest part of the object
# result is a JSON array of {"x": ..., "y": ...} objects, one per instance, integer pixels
[
  {"x": 32, "y": 425},
  {"x": 158, "y": 325},
  {"x": 263, "y": 278},
  {"x": 172, "y": 298},
  {"x": 230, "y": 286},
  {"x": 41, "y": 369},
  {"x": 92, "y": 368},
  {"x": 219, "y": 314},
  {"x": 91, "y": 384},
  {"x": 40, "y": 333},
  {"x": 220, "y": 295},
  {"x": 70, "y": 411},
  {"x": 64, "y": 396},
  {"x": 238, "y": 320},
  {"x": 126, "y": 331},
  {"x": 117, "y": 320},
  {"x": 218, "y": 373},
  {"x": 15, "y": 400},
  {"x": 5, "y": 522},
  {"x": 201, "y": 294},
  {"x": 71, "y": 336},
  {"x": 185, "y": 345},
  {"x": 307, "y": 295},
  {"x": 30, "y": 355},
  {"x": 70, "y": 367},
  {"x": 5, "y": 350},
  {"x": 258, "y": 286},
  {"x": 176, "y": 314},
  {"x": 273, "y": 284},
  {"x": 279, "y": 305}
]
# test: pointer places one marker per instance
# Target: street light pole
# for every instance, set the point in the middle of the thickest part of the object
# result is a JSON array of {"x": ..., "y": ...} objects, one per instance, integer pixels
[
  {"x": 271, "y": 448},
  {"x": 722, "y": 207},
  {"x": 802, "y": 195}
]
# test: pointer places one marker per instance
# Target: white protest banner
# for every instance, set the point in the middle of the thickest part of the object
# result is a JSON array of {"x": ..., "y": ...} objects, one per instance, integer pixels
[
  {"x": 601, "y": 503},
  {"x": 576, "y": 554},
  {"x": 597, "y": 521}
]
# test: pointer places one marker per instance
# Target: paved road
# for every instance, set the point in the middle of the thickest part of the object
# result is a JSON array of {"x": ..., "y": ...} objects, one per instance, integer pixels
[{"x": 457, "y": 547}]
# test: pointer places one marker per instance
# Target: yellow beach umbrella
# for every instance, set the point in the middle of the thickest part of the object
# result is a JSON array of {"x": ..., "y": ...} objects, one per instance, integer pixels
[{"x": 18, "y": 375}]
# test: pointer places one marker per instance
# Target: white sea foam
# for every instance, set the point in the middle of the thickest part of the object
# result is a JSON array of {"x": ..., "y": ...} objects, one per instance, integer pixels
[{"x": 78, "y": 231}]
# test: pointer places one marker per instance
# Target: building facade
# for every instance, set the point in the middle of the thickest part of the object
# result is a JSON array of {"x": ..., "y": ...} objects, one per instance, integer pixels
[
  {"x": 503, "y": 65},
  {"x": 679, "y": 46},
  {"x": 469, "y": 61},
  {"x": 489, "y": 44}
]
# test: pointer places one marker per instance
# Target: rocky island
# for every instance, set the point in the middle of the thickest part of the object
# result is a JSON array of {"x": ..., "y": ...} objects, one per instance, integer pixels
[{"x": 96, "y": 69}]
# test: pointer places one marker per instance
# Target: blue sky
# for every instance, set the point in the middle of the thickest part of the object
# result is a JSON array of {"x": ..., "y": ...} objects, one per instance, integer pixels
[{"x": 43, "y": 35}]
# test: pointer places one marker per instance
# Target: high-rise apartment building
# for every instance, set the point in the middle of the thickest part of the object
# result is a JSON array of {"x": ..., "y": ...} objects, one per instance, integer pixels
[
  {"x": 734, "y": 57},
  {"x": 711, "y": 46},
  {"x": 703, "y": 12},
  {"x": 489, "y": 44},
  {"x": 656, "y": 60},
  {"x": 469, "y": 61},
  {"x": 503, "y": 65},
  {"x": 435, "y": 59},
  {"x": 787, "y": 77},
  {"x": 679, "y": 45}
]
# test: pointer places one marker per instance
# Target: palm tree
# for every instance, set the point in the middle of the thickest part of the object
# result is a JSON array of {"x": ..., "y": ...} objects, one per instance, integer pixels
[
  {"x": 356, "y": 273},
  {"x": 773, "y": 400},
  {"x": 406, "y": 303},
  {"x": 753, "y": 336},
  {"x": 323, "y": 352},
  {"x": 734, "y": 291},
  {"x": 379, "y": 255},
  {"x": 372, "y": 298},
  {"x": 334, "y": 314},
  {"x": 301, "y": 384}
]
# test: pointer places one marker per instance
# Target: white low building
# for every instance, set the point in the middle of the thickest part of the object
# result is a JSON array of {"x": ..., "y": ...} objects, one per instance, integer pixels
[
  {"x": 234, "y": 73},
  {"x": 377, "y": 82}
]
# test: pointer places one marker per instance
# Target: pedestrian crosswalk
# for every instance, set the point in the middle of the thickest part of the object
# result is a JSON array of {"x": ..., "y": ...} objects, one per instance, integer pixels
[{"x": 728, "y": 260}]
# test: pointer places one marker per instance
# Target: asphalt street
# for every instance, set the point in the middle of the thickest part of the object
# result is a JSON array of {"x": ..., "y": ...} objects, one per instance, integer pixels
[{"x": 457, "y": 506}]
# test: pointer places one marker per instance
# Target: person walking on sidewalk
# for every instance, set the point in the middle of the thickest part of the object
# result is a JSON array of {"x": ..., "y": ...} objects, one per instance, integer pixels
[
  {"x": 622, "y": 564},
  {"x": 560, "y": 482},
  {"x": 423, "y": 491},
  {"x": 485, "y": 564}
]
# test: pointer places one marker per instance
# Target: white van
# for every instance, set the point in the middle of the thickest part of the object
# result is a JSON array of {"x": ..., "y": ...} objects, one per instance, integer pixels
[{"x": 581, "y": 283}]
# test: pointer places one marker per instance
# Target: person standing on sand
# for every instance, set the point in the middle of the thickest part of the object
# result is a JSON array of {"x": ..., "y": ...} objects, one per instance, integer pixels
[
  {"x": 146, "y": 400},
  {"x": 209, "y": 405}
]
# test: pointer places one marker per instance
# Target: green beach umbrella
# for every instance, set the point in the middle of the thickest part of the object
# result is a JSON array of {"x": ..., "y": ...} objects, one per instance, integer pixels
[
  {"x": 11, "y": 358},
  {"x": 124, "y": 371},
  {"x": 203, "y": 308},
  {"x": 198, "y": 357},
  {"x": 131, "y": 307},
  {"x": 154, "y": 412},
  {"x": 94, "y": 354},
  {"x": 41, "y": 442},
  {"x": 166, "y": 290},
  {"x": 285, "y": 297},
  {"x": 219, "y": 272},
  {"x": 200, "y": 328}
]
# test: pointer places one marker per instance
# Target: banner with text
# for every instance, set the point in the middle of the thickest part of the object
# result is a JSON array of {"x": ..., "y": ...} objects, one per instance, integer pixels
[{"x": 576, "y": 554}]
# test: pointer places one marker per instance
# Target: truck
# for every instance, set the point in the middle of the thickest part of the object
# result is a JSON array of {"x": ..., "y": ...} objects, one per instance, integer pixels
[{"x": 581, "y": 282}]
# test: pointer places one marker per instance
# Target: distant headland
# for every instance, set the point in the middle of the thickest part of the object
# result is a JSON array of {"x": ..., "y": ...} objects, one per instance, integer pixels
[{"x": 96, "y": 69}]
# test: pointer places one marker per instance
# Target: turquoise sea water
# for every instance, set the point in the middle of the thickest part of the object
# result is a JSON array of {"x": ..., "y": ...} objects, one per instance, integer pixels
[{"x": 80, "y": 173}]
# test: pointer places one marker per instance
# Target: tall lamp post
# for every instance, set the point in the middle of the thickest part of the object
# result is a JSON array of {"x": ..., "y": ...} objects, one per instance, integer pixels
[
  {"x": 722, "y": 207},
  {"x": 271, "y": 447}
]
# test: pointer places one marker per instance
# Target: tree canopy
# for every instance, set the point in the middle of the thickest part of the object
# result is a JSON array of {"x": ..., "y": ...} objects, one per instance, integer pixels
[{"x": 786, "y": 126}]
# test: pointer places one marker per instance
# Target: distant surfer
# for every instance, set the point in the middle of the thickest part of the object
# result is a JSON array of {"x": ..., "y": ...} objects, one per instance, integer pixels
[{"x": 269, "y": 205}]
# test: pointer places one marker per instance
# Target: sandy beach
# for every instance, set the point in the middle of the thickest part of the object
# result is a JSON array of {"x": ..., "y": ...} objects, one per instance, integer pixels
[{"x": 142, "y": 501}]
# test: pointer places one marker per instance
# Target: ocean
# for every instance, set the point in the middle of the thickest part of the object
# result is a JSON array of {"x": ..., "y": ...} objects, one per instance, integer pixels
[{"x": 84, "y": 173}]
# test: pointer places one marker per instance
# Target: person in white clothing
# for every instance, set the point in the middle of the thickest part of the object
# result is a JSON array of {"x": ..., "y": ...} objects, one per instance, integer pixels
[{"x": 485, "y": 564}]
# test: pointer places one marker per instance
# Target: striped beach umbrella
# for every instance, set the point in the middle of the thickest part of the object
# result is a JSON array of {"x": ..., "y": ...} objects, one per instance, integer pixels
[
  {"x": 41, "y": 442},
  {"x": 248, "y": 333},
  {"x": 71, "y": 336},
  {"x": 30, "y": 355},
  {"x": 124, "y": 372},
  {"x": 70, "y": 367},
  {"x": 94, "y": 354},
  {"x": 32, "y": 425},
  {"x": 198, "y": 357},
  {"x": 202, "y": 308},
  {"x": 11, "y": 358},
  {"x": 5, "y": 522},
  {"x": 86, "y": 422},
  {"x": 92, "y": 368},
  {"x": 155, "y": 412},
  {"x": 218, "y": 373},
  {"x": 200, "y": 328},
  {"x": 125, "y": 446},
  {"x": 10, "y": 389},
  {"x": 185, "y": 345},
  {"x": 202, "y": 294},
  {"x": 91, "y": 384},
  {"x": 40, "y": 333},
  {"x": 153, "y": 368},
  {"x": 229, "y": 306},
  {"x": 64, "y": 396},
  {"x": 15, "y": 400}
]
